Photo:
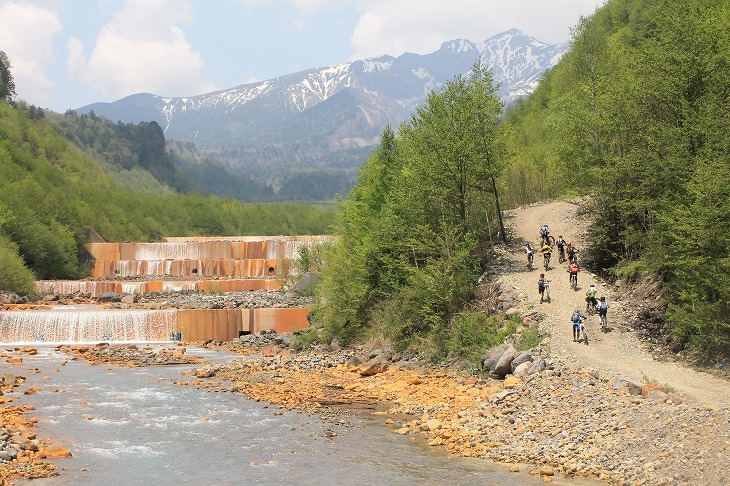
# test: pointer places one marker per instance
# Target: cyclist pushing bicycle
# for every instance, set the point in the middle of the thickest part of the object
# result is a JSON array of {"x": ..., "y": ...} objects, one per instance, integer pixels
[
  {"x": 530, "y": 252},
  {"x": 561, "y": 248},
  {"x": 541, "y": 283},
  {"x": 576, "y": 319},
  {"x": 573, "y": 271},
  {"x": 602, "y": 313}
]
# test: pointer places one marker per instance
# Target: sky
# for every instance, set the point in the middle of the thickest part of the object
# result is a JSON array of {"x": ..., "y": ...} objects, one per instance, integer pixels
[{"x": 65, "y": 54}]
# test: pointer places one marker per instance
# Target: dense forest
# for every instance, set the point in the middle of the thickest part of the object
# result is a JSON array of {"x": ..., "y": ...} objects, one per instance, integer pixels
[
  {"x": 51, "y": 191},
  {"x": 635, "y": 117}
]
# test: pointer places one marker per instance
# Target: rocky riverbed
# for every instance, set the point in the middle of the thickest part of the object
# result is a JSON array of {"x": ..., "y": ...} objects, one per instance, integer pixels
[
  {"x": 550, "y": 413},
  {"x": 22, "y": 453},
  {"x": 186, "y": 299},
  {"x": 559, "y": 417}
]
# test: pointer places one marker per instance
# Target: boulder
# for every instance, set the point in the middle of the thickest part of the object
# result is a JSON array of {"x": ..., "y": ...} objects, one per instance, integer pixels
[
  {"x": 537, "y": 366},
  {"x": 649, "y": 387},
  {"x": 503, "y": 367},
  {"x": 522, "y": 370},
  {"x": 373, "y": 366},
  {"x": 10, "y": 298},
  {"x": 523, "y": 357},
  {"x": 490, "y": 358},
  {"x": 55, "y": 451},
  {"x": 631, "y": 386},
  {"x": 109, "y": 297}
]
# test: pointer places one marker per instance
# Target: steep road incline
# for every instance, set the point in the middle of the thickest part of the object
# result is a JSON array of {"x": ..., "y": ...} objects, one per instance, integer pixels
[{"x": 615, "y": 353}]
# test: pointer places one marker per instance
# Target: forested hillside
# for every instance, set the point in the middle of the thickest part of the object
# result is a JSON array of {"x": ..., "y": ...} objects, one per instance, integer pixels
[
  {"x": 636, "y": 116},
  {"x": 51, "y": 191},
  {"x": 134, "y": 155}
]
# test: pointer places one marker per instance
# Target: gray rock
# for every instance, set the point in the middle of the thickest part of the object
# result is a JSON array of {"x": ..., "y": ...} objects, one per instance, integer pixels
[
  {"x": 306, "y": 283},
  {"x": 631, "y": 386},
  {"x": 109, "y": 297},
  {"x": 503, "y": 367},
  {"x": 538, "y": 366},
  {"x": 490, "y": 358},
  {"x": 523, "y": 357}
]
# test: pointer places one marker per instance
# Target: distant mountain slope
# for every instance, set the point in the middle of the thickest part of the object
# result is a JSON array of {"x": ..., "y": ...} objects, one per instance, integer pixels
[{"x": 328, "y": 117}]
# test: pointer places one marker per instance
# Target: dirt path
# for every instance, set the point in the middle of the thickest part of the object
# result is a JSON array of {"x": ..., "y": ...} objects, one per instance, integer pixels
[{"x": 615, "y": 353}]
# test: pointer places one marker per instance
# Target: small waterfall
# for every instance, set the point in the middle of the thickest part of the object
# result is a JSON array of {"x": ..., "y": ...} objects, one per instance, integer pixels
[{"x": 87, "y": 326}]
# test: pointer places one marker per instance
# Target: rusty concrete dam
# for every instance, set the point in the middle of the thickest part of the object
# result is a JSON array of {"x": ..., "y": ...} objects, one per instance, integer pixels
[{"x": 202, "y": 264}]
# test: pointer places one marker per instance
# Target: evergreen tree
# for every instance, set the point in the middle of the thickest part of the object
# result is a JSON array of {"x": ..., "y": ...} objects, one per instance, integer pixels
[{"x": 7, "y": 85}]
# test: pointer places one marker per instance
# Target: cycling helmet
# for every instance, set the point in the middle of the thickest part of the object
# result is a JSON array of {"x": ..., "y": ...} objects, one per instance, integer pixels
[
  {"x": 542, "y": 275},
  {"x": 603, "y": 297}
]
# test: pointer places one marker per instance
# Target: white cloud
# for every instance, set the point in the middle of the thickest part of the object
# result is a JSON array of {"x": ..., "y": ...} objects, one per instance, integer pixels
[
  {"x": 26, "y": 37},
  {"x": 142, "y": 49}
]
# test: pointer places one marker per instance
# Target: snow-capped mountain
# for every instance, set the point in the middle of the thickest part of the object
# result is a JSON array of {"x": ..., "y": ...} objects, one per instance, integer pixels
[
  {"x": 365, "y": 94},
  {"x": 330, "y": 116}
]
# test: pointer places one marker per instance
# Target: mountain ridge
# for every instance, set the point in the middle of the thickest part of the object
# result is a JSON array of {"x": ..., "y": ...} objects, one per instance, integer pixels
[{"x": 328, "y": 117}]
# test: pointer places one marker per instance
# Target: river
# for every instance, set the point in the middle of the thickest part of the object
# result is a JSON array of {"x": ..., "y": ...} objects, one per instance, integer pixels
[{"x": 135, "y": 426}]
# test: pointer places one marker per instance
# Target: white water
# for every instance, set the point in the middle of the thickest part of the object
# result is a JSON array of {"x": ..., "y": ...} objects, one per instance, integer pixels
[
  {"x": 135, "y": 427},
  {"x": 80, "y": 325}
]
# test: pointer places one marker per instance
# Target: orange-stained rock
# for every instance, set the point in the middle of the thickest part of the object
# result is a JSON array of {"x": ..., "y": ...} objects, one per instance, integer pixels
[
  {"x": 511, "y": 382},
  {"x": 652, "y": 386},
  {"x": 55, "y": 451}
]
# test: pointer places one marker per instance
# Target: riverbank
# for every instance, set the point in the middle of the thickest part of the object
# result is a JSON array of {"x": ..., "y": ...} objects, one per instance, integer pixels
[
  {"x": 22, "y": 453},
  {"x": 565, "y": 419},
  {"x": 562, "y": 419}
]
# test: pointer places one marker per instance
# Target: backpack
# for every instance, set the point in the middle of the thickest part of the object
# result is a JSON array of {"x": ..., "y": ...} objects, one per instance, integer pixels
[
  {"x": 541, "y": 282},
  {"x": 575, "y": 317},
  {"x": 604, "y": 305}
]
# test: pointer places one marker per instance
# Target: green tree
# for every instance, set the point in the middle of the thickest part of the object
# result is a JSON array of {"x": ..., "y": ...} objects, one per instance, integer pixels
[
  {"x": 412, "y": 229},
  {"x": 7, "y": 85}
]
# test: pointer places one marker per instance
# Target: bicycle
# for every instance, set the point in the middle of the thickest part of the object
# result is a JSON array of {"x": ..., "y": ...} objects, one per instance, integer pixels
[
  {"x": 530, "y": 257},
  {"x": 561, "y": 255},
  {"x": 604, "y": 323},
  {"x": 547, "y": 239},
  {"x": 546, "y": 256},
  {"x": 583, "y": 333},
  {"x": 573, "y": 280},
  {"x": 591, "y": 307},
  {"x": 547, "y": 290}
]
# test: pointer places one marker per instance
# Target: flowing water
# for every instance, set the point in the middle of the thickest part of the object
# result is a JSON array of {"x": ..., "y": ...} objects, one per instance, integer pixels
[
  {"x": 134, "y": 426},
  {"x": 86, "y": 323}
]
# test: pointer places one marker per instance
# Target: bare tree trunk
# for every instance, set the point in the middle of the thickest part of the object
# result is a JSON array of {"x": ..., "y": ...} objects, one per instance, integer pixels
[{"x": 499, "y": 211}]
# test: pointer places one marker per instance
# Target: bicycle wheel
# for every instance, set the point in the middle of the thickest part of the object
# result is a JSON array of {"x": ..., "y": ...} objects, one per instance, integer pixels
[
  {"x": 547, "y": 293},
  {"x": 584, "y": 333},
  {"x": 547, "y": 262}
]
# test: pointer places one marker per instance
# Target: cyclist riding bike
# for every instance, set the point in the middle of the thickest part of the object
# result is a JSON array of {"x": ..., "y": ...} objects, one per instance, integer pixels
[
  {"x": 576, "y": 319},
  {"x": 591, "y": 298},
  {"x": 546, "y": 252},
  {"x": 544, "y": 234}
]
